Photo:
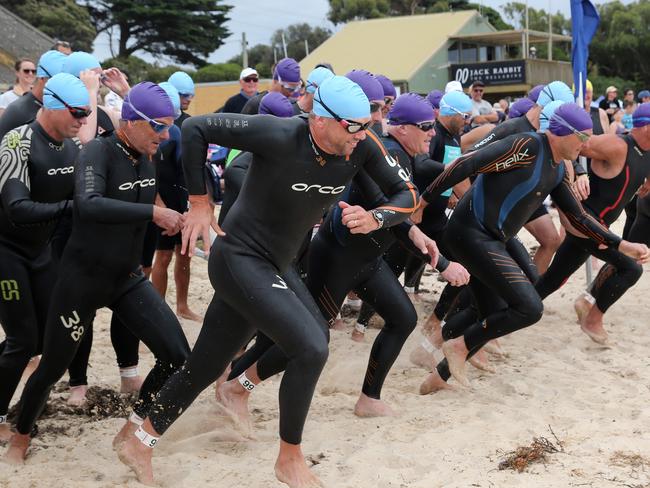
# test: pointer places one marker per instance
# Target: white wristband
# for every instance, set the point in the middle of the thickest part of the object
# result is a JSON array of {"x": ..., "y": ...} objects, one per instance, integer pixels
[
  {"x": 3, "y": 419},
  {"x": 247, "y": 384},
  {"x": 427, "y": 346},
  {"x": 136, "y": 419},
  {"x": 360, "y": 328},
  {"x": 147, "y": 439},
  {"x": 409, "y": 289},
  {"x": 589, "y": 297},
  {"x": 131, "y": 372}
]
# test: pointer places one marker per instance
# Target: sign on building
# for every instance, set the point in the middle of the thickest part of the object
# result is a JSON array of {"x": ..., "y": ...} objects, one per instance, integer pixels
[{"x": 491, "y": 73}]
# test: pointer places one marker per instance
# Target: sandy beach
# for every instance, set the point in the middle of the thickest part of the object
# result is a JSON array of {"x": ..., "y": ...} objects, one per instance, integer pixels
[{"x": 555, "y": 383}]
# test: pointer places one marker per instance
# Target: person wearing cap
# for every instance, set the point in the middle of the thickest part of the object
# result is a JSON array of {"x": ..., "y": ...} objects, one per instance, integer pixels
[
  {"x": 25, "y": 76},
  {"x": 316, "y": 78},
  {"x": 248, "y": 81},
  {"x": 610, "y": 104},
  {"x": 375, "y": 93},
  {"x": 520, "y": 108},
  {"x": 454, "y": 86},
  {"x": 114, "y": 197},
  {"x": 389, "y": 93},
  {"x": 494, "y": 211},
  {"x": 644, "y": 96},
  {"x": 482, "y": 110},
  {"x": 434, "y": 97},
  {"x": 300, "y": 167},
  {"x": 286, "y": 80},
  {"x": 185, "y": 86},
  {"x": 534, "y": 92},
  {"x": 620, "y": 165},
  {"x": 24, "y": 110},
  {"x": 35, "y": 189},
  {"x": 598, "y": 115}
]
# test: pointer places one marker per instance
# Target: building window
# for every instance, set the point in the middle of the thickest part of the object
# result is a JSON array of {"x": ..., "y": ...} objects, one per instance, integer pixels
[
  {"x": 469, "y": 53},
  {"x": 452, "y": 53}
]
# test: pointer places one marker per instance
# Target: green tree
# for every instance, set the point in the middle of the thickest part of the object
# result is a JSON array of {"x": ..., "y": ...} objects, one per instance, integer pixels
[
  {"x": 61, "y": 19},
  {"x": 135, "y": 68},
  {"x": 260, "y": 57},
  {"x": 218, "y": 72},
  {"x": 184, "y": 30},
  {"x": 295, "y": 36}
]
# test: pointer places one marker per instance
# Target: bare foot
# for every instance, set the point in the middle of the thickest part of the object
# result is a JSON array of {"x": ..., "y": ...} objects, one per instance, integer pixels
[
  {"x": 5, "y": 432},
  {"x": 582, "y": 308},
  {"x": 137, "y": 456},
  {"x": 221, "y": 380},
  {"x": 371, "y": 407},
  {"x": 31, "y": 367},
  {"x": 338, "y": 324},
  {"x": 17, "y": 451},
  {"x": 77, "y": 395},
  {"x": 494, "y": 347},
  {"x": 436, "y": 337},
  {"x": 234, "y": 398},
  {"x": 186, "y": 313},
  {"x": 357, "y": 335},
  {"x": 291, "y": 468},
  {"x": 456, "y": 353},
  {"x": 423, "y": 355},
  {"x": 131, "y": 385},
  {"x": 127, "y": 430},
  {"x": 434, "y": 383},
  {"x": 595, "y": 331},
  {"x": 480, "y": 361}
]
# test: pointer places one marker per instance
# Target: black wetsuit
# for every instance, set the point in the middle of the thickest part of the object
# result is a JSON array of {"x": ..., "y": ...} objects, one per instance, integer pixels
[
  {"x": 252, "y": 106},
  {"x": 36, "y": 185},
  {"x": 20, "y": 112},
  {"x": 289, "y": 186},
  {"x": 114, "y": 195},
  {"x": 516, "y": 174},
  {"x": 607, "y": 199}
]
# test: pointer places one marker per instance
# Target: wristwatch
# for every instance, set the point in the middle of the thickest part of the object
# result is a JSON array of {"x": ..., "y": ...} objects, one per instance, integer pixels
[{"x": 378, "y": 215}]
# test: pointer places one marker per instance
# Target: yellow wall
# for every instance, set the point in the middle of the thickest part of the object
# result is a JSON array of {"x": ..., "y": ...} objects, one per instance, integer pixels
[{"x": 211, "y": 96}]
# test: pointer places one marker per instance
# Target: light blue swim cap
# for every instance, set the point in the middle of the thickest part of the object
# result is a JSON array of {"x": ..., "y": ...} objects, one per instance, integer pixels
[
  {"x": 173, "y": 95},
  {"x": 556, "y": 90},
  {"x": 50, "y": 64},
  {"x": 343, "y": 97},
  {"x": 80, "y": 61},
  {"x": 455, "y": 100},
  {"x": 317, "y": 77},
  {"x": 68, "y": 88},
  {"x": 183, "y": 83},
  {"x": 547, "y": 113}
]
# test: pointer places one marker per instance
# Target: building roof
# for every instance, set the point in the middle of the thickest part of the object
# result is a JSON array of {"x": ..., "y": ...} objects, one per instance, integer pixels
[
  {"x": 510, "y": 37},
  {"x": 394, "y": 46}
]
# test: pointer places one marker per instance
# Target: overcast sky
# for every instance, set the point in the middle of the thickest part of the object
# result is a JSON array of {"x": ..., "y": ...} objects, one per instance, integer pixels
[{"x": 259, "y": 19}]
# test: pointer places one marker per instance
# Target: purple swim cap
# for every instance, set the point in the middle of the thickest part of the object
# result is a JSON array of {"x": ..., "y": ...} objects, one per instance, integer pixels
[
  {"x": 275, "y": 103},
  {"x": 534, "y": 92},
  {"x": 149, "y": 99},
  {"x": 368, "y": 83},
  {"x": 641, "y": 115},
  {"x": 520, "y": 107},
  {"x": 434, "y": 98},
  {"x": 567, "y": 117},
  {"x": 287, "y": 70},
  {"x": 387, "y": 85},
  {"x": 410, "y": 108}
]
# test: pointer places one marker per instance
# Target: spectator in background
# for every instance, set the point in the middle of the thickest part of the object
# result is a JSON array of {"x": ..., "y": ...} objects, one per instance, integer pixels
[
  {"x": 482, "y": 111},
  {"x": 286, "y": 80},
  {"x": 505, "y": 105},
  {"x": 617, "y": 126},
  {"x": 628, "y": 108},
  {"x": 63, "y": 47},
  {"x": 644, "y": 96},
  {"x": 185, "y": 86},
  {"x": 610, "y": 104},
  {"x": 628, "y": 95},
  {"x": 598, "y": 115},
  {"x": 25, "y": 78},
  {"x": 248, "y": 81}
]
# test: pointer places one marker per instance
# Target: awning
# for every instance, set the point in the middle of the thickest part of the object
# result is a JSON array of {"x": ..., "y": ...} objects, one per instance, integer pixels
[{"x": 510, "y": 37}]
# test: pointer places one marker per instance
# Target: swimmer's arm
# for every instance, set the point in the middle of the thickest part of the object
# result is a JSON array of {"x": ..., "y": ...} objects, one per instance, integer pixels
[
  {"x": 91, "y": 174},
  {"x": 252, "y": 133},
  {"x": 568, "y": 201}
]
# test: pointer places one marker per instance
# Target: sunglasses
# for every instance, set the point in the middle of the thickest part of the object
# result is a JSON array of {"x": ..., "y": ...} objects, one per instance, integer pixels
[
  {"x": 251, "y": 79},
  {"x": 582, "y": 136},
  {"x": 423, "y": 126},
  {"x": 465, "y": 116},
  {"x": 158, "y": 127},
  {"x": 77, "y": 113},
  {"x": 477, "y": 90},
  {"x": 349, "y": 125},
  {"x": 184, "y": 95},
  {"x": 29, "y": 71},
  {"x": 374, "y": 106}
]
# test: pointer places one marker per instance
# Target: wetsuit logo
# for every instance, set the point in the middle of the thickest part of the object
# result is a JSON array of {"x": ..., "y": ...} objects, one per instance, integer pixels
[
  {"x": 13, "y": 140},
  {"x": 401, "y": 172},
  {"x": 9, "y": 290},
  {"x": 141, "y": 183},
  {"x": 60, "y": 171},
  {"x": 520, "y": 156},
  {"x": 77, "y": 330},
  {"x": 282, "y": 285},
  {"x": 485, "y": 141},
  {"x": 326, "y": 190}
]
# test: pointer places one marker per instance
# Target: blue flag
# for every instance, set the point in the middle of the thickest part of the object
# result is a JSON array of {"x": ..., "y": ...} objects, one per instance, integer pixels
[{"x": 584, "y": 22}]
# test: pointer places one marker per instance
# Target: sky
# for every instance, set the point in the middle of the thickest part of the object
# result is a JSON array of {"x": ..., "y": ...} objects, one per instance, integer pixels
[{"x": 259, "y": 19}]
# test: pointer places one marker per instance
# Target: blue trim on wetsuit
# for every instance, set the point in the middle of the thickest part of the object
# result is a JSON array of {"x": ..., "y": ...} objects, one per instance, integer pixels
[{"x": 479, "y": 200}]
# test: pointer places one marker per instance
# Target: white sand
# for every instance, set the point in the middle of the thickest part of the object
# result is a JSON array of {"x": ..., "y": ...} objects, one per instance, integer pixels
[{"x": 594, "y": 398}]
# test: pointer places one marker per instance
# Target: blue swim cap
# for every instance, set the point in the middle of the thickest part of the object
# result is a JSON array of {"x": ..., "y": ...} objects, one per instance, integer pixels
[
  {"x": 556, "y": 90},
  {"x": 182, "y": 82},
  {"x": 79, "y": 61},
  {"x": 316, "y": 78},
  {"x": 172, "y": 92},
  {"x": 547, "y": 113},
  {"x": 68, "y": 88},
  {"x": 50, "y": 64},
  {"x": 343, "y": 97},
  {"x": 454, "y": 102}
]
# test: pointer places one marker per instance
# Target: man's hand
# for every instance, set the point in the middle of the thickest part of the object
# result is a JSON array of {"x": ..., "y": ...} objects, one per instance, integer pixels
[
  {"x": 453, "y": 201},
  {"x": 167, "y": 219},
  {"x": 416, "y": 217},
  {"x": 635, "y": 250},
  {"x": 644, "y": 190},
  {"x": 114, "y": 79},
  {"x": 358, "y": 219},
  {"x": 198, "y": 221},
  {"x": 425, "y": 244},
  {"x": 456, "y": 274},
  {"x": 581, "y": 186},
  {"x": 91, "y": 80}
]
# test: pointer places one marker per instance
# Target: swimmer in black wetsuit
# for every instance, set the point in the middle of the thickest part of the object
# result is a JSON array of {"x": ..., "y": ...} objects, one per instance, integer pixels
[
  {"x": 515, "y": 176},
  {"x": 301, "y": 166},
  {"x": 36, "y": 184},
  {"x": 114, "y": 195},
  {"x": 619, "y": 167}
]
